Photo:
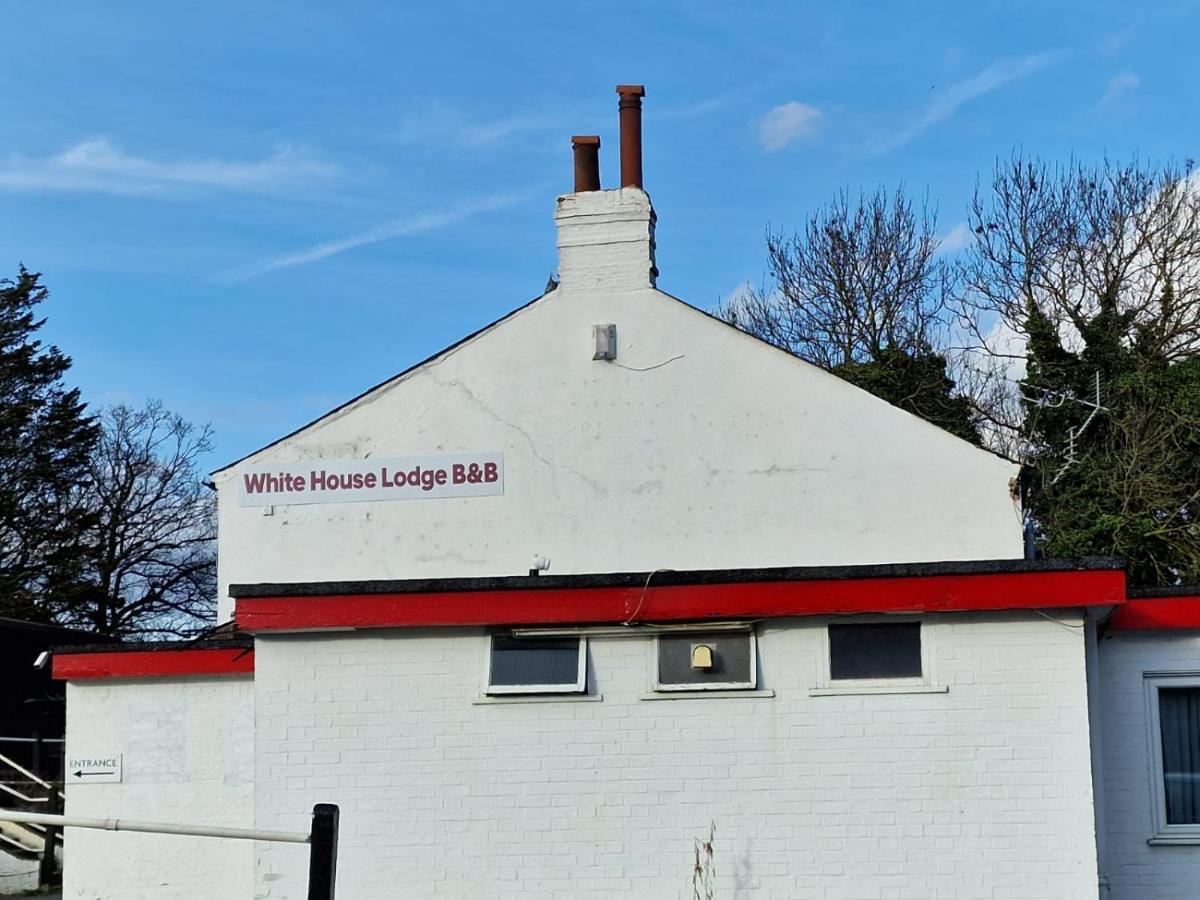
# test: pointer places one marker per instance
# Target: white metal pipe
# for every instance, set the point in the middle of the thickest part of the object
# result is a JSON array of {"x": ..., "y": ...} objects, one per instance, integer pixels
[{"x": 118, "y": 824}]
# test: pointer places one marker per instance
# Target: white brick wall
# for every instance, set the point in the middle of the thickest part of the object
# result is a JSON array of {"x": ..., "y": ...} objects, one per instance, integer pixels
[
  {"x": 606, "y": 469},
  {"x": 1137, "y": 871},
  {"x": 980, "y": 792},
  {"x": 189, "y": 755}
]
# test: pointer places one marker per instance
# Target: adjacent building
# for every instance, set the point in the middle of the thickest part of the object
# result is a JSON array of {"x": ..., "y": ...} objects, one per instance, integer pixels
[{"x": 544, "y": 609}]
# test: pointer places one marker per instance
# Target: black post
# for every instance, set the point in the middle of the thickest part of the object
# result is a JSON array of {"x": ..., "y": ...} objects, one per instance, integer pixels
[
  {"x": 46, "y": 867},
  {"x": 322, "y": 852}
]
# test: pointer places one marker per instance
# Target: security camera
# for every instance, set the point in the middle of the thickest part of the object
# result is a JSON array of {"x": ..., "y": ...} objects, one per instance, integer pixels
[{"x": 43, "y": 659}]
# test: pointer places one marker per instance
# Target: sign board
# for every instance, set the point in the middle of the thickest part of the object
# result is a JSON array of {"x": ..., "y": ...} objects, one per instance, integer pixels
[
  {"x": 354, "y": 480},
  {"x": 98, "y": 769}
]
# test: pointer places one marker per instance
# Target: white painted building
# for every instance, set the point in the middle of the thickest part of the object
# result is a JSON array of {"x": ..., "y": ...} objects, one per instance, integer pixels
[{"x": 540, "y": 611}]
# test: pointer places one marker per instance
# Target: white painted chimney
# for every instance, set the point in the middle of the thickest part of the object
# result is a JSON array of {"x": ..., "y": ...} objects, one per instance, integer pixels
[{"x": 606, "y": 238}]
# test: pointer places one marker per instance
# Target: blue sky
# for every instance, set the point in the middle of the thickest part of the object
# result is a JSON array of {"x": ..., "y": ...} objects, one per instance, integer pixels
[{"x": 253, "y": 211}]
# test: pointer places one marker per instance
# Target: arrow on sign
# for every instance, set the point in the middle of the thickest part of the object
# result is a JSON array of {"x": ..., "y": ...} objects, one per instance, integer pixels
[{"x": 95, "y": 768}]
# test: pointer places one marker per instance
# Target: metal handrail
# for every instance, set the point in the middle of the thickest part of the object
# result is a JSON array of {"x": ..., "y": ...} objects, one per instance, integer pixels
[
  {"x": 5, "y": 839},
  {"x": 322, "y": 840},
  {"x": 24, "y": 771},
  {"x": 29, "y": 740},
  {"x": 17, "y": 767},
  {"x": 117, "y": 824},
  {"x": 11, "y": 790}
]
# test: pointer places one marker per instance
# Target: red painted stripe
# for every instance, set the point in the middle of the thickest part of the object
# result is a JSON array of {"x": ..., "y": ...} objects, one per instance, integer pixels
[
  {"x": 153, "y": 663},
  {"x": 1157, "y": 614},
  {"x": 933, "y": 593}
]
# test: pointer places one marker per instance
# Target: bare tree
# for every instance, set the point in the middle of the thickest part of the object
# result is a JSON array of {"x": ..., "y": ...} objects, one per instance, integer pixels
[
  {"x": 862, "y": 292},
  {"x": 152, "y": 552},
  {"x": 1072, "y": 243},
  {"x": 862, "y": 278},
  {"x": 1076, "y": 241},
  {"x": 1081, "y": 304}
]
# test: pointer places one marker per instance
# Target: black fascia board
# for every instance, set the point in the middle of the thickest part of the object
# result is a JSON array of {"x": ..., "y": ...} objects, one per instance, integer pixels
[{"x": 672, "y": 577}]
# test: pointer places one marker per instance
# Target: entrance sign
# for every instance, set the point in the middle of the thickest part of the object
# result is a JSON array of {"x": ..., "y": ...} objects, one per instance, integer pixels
[
  {"x": 98, "y": 769},
  {"x": 355, "y": 480}
]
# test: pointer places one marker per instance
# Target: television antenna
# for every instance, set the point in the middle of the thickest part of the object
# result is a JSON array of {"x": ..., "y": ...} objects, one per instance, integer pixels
[{"x": 1056, "y": 399}]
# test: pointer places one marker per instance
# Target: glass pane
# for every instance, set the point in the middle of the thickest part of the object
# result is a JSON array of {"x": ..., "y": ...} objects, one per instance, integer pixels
[
  {"x": 730, "y": 658},
  {"x": 532, "y": 661},
  {"x": 882, "y": 650},
  {"x": 1179, "y": 715}
]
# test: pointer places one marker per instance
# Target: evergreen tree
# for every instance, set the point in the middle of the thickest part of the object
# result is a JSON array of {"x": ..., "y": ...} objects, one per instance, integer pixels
[
  {"x": 1124, "y": 481},
  {"x": 1098, "y": 270},
  {"x": 918, "y": 382},
  {"x": 46, "y": 439}
]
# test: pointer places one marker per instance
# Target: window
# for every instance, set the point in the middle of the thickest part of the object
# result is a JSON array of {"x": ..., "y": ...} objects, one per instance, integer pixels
[
  {"x": 537, "y": 665},
  {"x": 875, "y": 651},
  {"x": 1174, "y": 718},
  {"x": 705, "y": 661}
]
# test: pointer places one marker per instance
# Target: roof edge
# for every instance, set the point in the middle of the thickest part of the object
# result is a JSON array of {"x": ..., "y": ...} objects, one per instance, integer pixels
[
  {"x": 130, "y": 661},
  {"x": 387, "y": 381},
  {"x": 1175, "y": 590},
  {"x": 672, "y": 577},
  {"x": 239, "y": 641},
  {"x": 709, "y": 314}
]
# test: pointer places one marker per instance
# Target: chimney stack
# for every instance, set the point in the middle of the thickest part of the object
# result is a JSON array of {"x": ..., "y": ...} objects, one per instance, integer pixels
[
  {"x": 587, "y": 162},
  {"x": 630, "y": 106},
  {"x": 606, "y": 238}
]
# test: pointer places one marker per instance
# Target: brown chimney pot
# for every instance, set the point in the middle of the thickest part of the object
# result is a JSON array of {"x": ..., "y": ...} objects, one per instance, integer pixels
[
  {"x": 630, "y": 106},
  {"x": 587, "y": 162}
]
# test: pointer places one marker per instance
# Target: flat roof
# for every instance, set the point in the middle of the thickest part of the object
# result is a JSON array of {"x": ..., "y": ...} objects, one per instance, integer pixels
[{"x": 674, "y": 577}]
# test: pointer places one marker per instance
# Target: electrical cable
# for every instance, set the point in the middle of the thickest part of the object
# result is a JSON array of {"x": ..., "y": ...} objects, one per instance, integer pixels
[
  {"x": 642, "y": 599},
  {"x": 1059, "y": 622},
  {"x": 648, "y": 368}
]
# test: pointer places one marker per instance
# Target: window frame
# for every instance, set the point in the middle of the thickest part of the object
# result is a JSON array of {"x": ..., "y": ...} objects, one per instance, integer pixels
[
  {"x": 578, "y": 687},
  {"x": 750, "y": 685},
  {"x": 926, "y": 683},
  {"x": 1164, "y": 833}
]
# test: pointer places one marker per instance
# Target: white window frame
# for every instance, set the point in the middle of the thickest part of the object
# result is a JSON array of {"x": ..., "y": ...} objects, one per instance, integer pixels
[
  {"x": 750, "y": 685},
  {"x": 927, "y": 683},
  {"x": 1164, "y": 833},
  {"x": 579, "y": 686}
]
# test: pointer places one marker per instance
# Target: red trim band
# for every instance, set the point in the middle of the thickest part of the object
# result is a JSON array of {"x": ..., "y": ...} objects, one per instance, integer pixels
[
  {"x": 1177, "y": 613},
  {"x": 153, "y": 663},
  {"x": 556, "y": 606}
]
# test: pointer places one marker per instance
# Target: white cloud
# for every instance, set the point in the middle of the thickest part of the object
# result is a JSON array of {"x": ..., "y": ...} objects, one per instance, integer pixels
[
  {"x": 786, "y": 124},
  {"x": 736, "y": 297},
  {"x": 1009, "y": 349},
  {"x": 742, "y": 291},
  {"x": 957, "y": 238},
  {"x": 949, "y": 100},
  {"x": 1114, "y": 43},
  {"x": 1119, "y": 87},
  {"x": 689, "y": 111},
  {"x": 439, "y": 125},
  {"x": 97, "y": 165},
  {"x": 396, "y": 228}
]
